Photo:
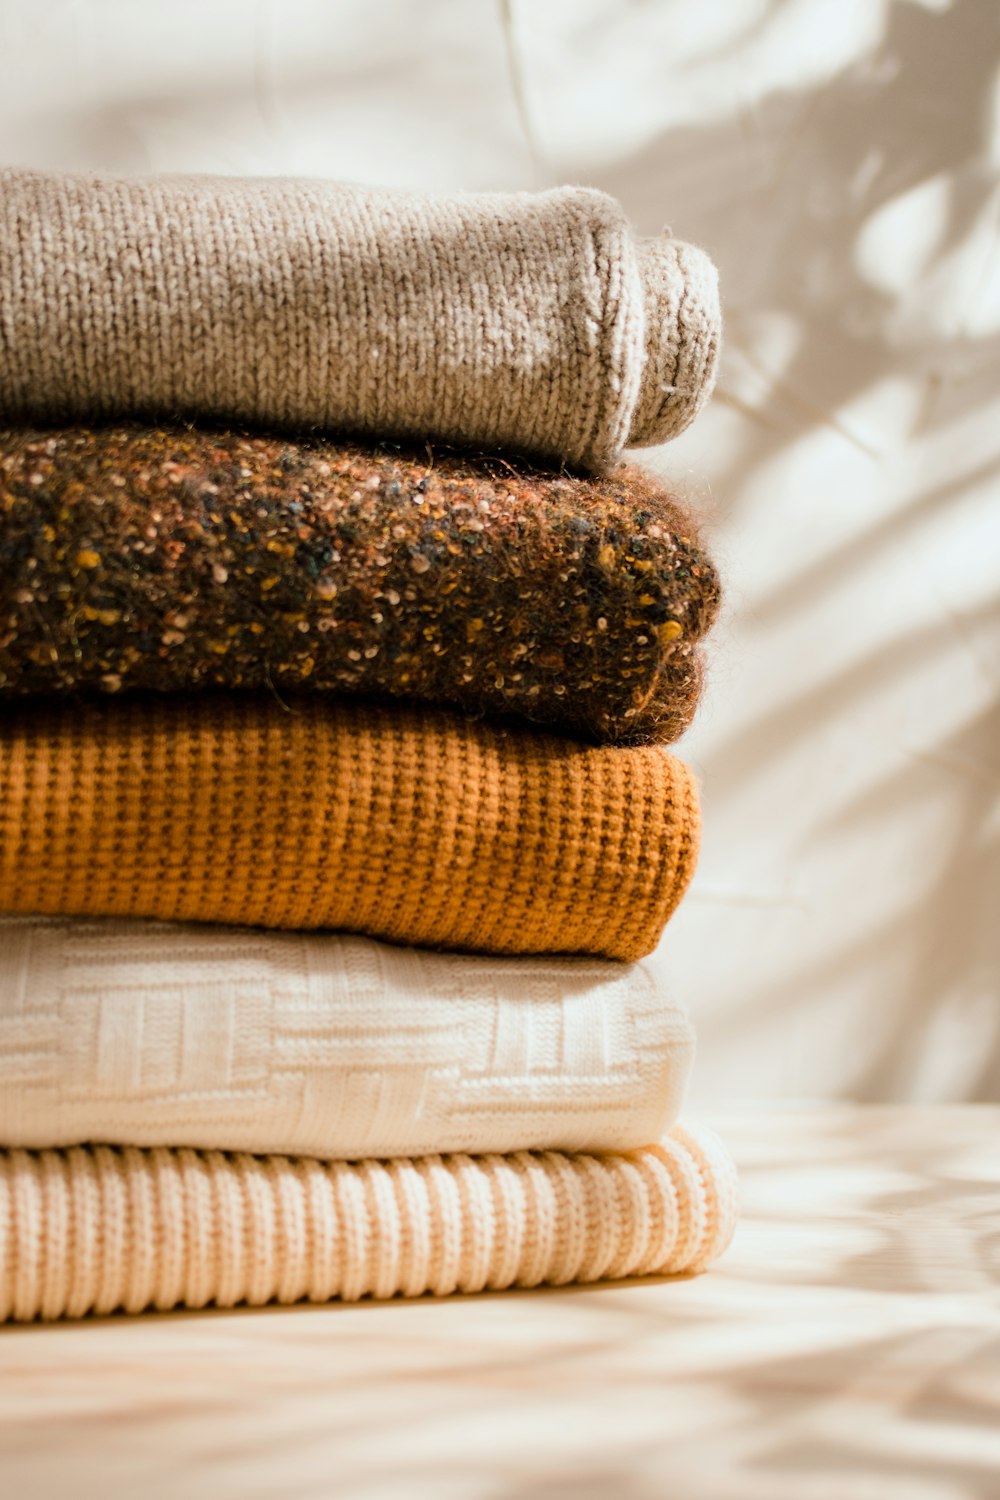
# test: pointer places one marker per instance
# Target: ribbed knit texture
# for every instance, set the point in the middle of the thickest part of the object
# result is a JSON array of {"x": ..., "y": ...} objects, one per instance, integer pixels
[
  {"x": 530, "y": 322},
  {"x": 99, "y": 1229},
  {"x": 160, "y": 1034},
  {"x": 176, "y": 558},
  {"x": 409, "y": 824}
]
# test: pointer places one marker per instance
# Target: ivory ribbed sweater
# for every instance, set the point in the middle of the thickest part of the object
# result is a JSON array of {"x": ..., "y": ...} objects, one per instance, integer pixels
[
  {"x": 414, "y": 825},
  {"x": 533, "y": 322},
  {"x": 98, "y": 1229}
]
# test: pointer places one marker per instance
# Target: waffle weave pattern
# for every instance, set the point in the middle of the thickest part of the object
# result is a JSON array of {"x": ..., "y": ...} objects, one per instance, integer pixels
[{"x": 402, "y": 823}]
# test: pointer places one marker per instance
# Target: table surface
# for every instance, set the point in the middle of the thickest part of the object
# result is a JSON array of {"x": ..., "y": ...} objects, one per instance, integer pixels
[{"x": 848, "y": 1345}]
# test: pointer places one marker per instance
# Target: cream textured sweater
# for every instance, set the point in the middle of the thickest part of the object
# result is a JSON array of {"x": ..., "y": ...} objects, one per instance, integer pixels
[
  {"x": 93, "y": 1230},
  {"x": 147, "y": 1034},
  {"x": 536, "y": 322}
]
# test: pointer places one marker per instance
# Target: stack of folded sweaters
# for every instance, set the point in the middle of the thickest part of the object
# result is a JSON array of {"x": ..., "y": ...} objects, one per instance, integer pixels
[{"x": 334, "y": 808}]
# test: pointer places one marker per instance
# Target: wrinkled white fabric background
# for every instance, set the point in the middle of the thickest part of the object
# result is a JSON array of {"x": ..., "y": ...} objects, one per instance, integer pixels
[{"x": 840, "y": 161}]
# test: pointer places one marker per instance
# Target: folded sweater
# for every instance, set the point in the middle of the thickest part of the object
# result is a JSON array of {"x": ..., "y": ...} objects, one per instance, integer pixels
[
  {"x": 174, "y": 558},
  {"x": 100, "y": 1229},
  {"x": 410, "y": 824},
  {"x": 536, "y": 322},
  {"x": 149, "y": 1034}
]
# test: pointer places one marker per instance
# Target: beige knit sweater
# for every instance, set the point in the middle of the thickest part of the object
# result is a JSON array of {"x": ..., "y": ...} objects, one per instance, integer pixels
[
  {"x": 93, "y": 1230},
  {"x": 536, "y": 322}
]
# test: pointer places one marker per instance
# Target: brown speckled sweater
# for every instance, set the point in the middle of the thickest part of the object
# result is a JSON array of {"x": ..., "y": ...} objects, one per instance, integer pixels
[{"x": 170, "y": 558}]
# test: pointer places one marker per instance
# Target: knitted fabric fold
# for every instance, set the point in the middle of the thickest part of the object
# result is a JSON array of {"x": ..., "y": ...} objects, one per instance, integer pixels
[
  {"x": 94, "y": 1230},
  {"x": 535, "y": 322},
  {"x": 175, "y": 558},
  {"x": 147, "y": 1034},
  {"x": 409, "y": 824}
]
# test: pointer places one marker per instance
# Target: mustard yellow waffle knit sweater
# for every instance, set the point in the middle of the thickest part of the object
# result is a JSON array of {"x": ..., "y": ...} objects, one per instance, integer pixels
[{"x": 409, "y": 824}]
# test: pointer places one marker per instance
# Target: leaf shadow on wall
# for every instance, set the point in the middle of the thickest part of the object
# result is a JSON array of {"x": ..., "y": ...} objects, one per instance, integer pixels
[{"x": 783, "y": 196}]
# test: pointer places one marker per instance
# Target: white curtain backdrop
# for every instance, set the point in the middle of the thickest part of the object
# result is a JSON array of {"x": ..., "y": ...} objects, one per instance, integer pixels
[{"x": 840, "y": 161}]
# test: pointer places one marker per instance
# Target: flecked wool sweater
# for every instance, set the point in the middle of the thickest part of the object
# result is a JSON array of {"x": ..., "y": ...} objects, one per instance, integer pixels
[
  {"x": 173, "y": 558},
  {"x": 531, "y": 322}
]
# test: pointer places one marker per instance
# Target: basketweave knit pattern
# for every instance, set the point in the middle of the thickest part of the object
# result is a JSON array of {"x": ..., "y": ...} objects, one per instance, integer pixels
[
  {"x": 176, "y": 558},
  {"x": 535, "y": 322},
  {"x": 93, "y": 1230},
  {"x": 403, "y": 823},
  {"x": 160, "y": 1034}
]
